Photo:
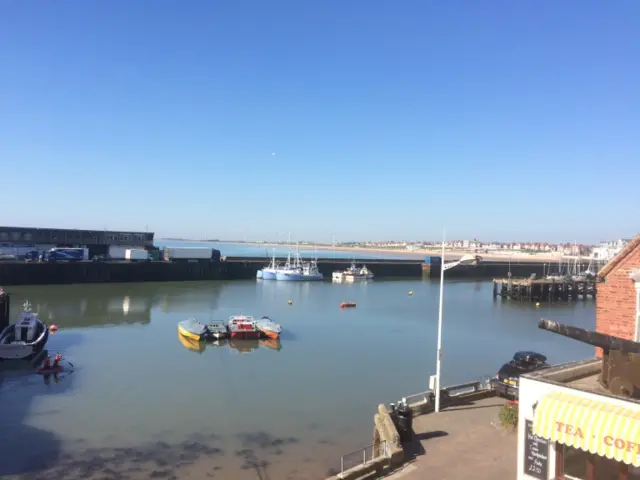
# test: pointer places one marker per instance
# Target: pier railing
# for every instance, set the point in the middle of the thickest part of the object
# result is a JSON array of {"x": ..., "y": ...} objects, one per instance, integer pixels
[
  {"x": 363, "y": 456},
  {"x": 480, "y": 385}
]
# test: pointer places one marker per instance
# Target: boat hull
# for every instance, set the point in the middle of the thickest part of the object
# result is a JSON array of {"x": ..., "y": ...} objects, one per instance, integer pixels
[
  {"x": 268, "y": 274},
  {"x": 297, "y": 277},
  {"x": 192, "y": 329},
  {"x": 245, "y": 335},
  {"x": 271, "y": 334},
  {"x": 259, "y": 274},
  {"x": 15, "y": 351}
]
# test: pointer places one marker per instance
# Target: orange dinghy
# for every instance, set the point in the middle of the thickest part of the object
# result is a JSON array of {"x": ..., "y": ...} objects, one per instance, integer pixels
[{"x": 347, "y": 304}]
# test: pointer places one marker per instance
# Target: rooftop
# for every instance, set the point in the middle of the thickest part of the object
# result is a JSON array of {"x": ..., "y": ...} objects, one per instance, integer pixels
[{"x": 581, "y": 375}]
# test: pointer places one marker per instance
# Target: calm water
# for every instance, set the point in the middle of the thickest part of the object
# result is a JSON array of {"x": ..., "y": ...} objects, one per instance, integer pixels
[
  {"x": 243, "y": 250},
  {"x": 140, "y": 404}
]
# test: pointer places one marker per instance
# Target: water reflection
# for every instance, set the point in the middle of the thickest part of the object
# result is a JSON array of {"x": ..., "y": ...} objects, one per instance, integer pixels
[
  {"x": 190, "y": 297},
  {"x": 271, "y": 343},
  {"x": 114, "y": 304},
  {"x": 244, "y": 346},
  {"x": 19, "y": 382},
  {"x": 240, "y": 346},
  {"x": 190, "y": 344}
]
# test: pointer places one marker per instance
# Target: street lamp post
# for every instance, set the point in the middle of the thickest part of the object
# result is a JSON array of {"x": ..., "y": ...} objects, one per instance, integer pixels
[{"x": 464, "y": 260}]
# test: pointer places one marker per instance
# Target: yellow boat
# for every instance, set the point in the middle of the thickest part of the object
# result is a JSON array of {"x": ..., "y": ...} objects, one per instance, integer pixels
[
  {"x": 192, "y": 329},
  {"x": 191, "y": 344}
]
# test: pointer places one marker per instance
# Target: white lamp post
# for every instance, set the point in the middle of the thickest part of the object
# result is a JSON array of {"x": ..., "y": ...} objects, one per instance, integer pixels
[{"x": 464, "y": 260}]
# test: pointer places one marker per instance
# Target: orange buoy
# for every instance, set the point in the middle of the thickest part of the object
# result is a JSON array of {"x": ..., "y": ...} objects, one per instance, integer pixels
[
  {"x": 53, "y": 328},
  {"x": 347, "y": 304}
]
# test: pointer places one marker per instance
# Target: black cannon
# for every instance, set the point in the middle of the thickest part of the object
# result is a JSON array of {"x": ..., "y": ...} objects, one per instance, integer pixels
[{"x": 620, "y": 362}]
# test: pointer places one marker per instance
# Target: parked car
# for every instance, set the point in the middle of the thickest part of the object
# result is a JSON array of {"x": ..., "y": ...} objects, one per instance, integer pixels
[
  {"x": 508, "y": 377},
  {"x": 101, "y": 258}
]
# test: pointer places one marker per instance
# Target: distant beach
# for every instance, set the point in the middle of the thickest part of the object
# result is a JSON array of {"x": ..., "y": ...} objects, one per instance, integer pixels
[{"x": 526, "y": 257}]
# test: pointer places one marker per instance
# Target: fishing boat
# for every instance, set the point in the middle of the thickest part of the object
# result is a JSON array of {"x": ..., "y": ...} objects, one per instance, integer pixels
[
  {"x": 303, "y": 272},
  {"x": 193, "y": 329},
  {"x": 269, "y": 328},
  {"x": 352, "y": 274},
  {"x": 25, "y": 338},
  {"x": 243, "y": 327},
  {"x": 269, "y": 272}
]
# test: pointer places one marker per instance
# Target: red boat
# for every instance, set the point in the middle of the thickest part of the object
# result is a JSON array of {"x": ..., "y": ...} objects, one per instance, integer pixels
[{"x": 243, "y": 327}]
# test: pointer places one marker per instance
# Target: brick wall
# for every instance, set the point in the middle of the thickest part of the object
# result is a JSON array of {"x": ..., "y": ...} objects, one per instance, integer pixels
[{"x": 616, "y": 300}]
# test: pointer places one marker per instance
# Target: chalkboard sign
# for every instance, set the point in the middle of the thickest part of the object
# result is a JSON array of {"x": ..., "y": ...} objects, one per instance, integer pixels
[{"x": 536, "y": 454}]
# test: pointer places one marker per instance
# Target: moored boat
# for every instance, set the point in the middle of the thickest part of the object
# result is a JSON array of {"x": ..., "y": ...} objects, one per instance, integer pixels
[
  {"x": 269, "y": 328},
  {"x": 25, "y": 338},
  {"x": 193, "y": 329},
  {"x": 307, "y": 271},
  {"x": 243, "y": 327},
  {"x": 269, "y": 272},
  {"x": 353, "y": 274},
  {"x": 216, "y": 330}
]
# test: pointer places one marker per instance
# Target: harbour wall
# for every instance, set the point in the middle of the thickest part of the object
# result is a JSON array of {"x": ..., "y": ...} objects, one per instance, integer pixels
[
  {"x": 237, "y": 268},
  {"x": 15, "y": 273},
  {"x": 246, "y": 268}
]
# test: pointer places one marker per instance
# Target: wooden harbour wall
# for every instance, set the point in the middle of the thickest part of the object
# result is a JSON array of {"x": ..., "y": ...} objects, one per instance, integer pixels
[{"x": 543, "y": 290}]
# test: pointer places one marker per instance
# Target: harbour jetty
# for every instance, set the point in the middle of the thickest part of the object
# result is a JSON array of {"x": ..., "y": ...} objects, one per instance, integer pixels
[{"x": 544, "y": 289}]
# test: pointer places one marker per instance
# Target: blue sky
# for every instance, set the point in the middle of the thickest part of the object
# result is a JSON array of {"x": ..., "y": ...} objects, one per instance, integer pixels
[{"x": 499, "y": 120}]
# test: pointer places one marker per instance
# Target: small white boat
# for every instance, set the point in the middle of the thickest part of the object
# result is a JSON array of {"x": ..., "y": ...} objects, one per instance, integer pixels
[
  {"x": 352, "y": 274},
  {"x": 25, "y": 338}
]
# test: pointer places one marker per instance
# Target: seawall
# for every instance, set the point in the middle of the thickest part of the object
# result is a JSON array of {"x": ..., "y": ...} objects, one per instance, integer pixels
[
  {"x": 246, "y": 268},
  {"x": 236, "y": 268},
  {"x": 15, "y": 273}
]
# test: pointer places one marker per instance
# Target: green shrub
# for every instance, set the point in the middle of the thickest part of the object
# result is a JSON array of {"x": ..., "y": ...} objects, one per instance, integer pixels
[{"x": 509, "y": 416}]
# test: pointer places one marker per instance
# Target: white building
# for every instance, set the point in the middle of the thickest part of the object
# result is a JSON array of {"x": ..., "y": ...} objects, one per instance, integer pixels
[{"x": 571, "y": 427}]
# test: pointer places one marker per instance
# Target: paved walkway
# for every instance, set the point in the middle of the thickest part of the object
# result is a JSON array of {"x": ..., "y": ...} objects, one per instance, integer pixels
[{"x": 462, "y": 442}]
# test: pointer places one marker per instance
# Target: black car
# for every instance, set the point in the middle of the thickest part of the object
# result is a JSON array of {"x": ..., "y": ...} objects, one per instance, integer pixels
[{"x": 508, "y": 377}]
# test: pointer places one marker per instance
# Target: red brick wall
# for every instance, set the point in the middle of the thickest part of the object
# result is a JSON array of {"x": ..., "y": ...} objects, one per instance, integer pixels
[{"x": 616, "y": 300}]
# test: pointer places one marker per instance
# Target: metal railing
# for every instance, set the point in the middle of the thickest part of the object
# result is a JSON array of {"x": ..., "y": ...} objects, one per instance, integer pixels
[
  {"x": 363, "y": 456},
  {"x": 482, "y": 384}
]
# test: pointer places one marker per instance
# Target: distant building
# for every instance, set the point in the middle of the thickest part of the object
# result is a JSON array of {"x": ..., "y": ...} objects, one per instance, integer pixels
[{"x": 19, "y": 240}]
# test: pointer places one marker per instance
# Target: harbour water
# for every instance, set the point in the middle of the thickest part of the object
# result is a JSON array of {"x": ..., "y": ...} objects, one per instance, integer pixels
[{"x": 139, "y": 404}]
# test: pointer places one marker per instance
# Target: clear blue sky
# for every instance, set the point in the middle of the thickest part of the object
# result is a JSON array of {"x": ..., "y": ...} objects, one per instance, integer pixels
[{"x": 501, "y": 120}]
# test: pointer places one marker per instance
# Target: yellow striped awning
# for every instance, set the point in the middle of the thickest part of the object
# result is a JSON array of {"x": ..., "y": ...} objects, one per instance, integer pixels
[{"x": 593, "y": 426}]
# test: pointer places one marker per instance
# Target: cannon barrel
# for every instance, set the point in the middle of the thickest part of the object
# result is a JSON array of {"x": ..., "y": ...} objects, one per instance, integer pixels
[{"x": 597, "y": 339}]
